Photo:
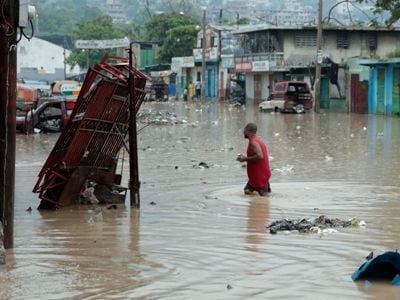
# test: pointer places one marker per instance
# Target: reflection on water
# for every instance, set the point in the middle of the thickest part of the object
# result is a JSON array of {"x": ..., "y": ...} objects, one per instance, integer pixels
[
  {"x": 202, "y": 234},
  {"x": 257, "y": 221}
]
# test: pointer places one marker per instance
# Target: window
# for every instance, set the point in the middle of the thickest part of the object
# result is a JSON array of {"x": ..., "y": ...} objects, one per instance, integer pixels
[
  {"x": 305, "y": 39},
  {"x": 372, "y": 42},
  {"x": 213, "y": 44},
  {"x": 342, "y": 40}
]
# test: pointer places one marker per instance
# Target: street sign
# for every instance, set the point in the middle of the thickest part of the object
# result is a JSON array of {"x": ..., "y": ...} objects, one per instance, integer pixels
[{"x": 102, "y": 44}]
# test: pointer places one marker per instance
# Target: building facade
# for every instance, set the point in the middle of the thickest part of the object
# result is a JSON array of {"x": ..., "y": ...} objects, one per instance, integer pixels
[
  {"x": 218, "y": 57},
  {"x": 269, "y": 53},
  {"x": 41, "y": 60},
  {"x": 384, "y": 86}
]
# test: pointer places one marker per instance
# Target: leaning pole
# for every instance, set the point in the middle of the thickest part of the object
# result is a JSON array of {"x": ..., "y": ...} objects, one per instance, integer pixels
[{"x": 8, "y": 81}]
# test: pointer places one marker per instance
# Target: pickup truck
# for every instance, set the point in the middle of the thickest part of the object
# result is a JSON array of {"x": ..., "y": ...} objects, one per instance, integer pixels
[
  {"x": 50, "y": 115},
  {"x": 288, "y": 96}
]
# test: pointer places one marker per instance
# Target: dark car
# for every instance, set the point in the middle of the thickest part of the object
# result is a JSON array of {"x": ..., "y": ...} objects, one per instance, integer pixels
[
  {"x": 51, "y": 115},
  {"x": 289, "y": 96},
  {"x": 157, "y": 90}
]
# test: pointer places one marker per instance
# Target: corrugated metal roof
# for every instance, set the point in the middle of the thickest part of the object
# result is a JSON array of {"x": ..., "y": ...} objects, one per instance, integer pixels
[
  {"x": 374, "y": 62},
  {"x": 264, "y": 27}
]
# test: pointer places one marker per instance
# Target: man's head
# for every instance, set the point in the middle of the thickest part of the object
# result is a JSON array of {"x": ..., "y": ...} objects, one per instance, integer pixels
[{"x": 249, "y": 130}]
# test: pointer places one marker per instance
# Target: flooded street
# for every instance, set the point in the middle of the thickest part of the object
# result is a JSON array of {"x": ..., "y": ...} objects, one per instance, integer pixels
[{"x": 196, "y": 235}]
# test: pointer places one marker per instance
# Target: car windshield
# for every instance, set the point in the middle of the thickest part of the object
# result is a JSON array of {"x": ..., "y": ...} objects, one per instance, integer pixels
[{"x": 298, "y": 87}]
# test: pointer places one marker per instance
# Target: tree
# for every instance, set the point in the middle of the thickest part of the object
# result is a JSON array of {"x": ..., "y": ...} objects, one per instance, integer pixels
[
  {"x": 159, "y": 25},
  {"x": 180, "y": 41},
  {"x": 390, "y": 6},
  {"x": 100, "y": 28},
  {"x": 241, "y": 21},
  {"x": 61, "y": 17}
]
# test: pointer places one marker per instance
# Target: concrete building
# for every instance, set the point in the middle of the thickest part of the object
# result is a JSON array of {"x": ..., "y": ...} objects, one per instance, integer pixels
[
  {"x": 114, "y": 8},
  {"x": 269, "y": 53},
  {"x": 384, "y": 86},
  {"x": 219, "y": 49},
  {"x": 42, "y": 60}
]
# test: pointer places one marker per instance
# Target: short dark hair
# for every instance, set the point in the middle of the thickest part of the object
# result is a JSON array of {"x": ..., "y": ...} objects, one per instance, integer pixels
[{"x": 251, "y": 127}]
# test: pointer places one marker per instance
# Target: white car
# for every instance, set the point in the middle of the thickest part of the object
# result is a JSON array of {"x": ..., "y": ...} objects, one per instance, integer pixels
[{"x": 278, "y": 106}]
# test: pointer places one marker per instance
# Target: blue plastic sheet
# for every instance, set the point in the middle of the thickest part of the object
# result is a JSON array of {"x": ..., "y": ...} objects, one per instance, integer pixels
[{"x": 384, "y": 266}]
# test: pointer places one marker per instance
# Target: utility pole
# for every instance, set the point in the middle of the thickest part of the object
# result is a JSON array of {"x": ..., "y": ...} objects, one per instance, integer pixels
[
  {"x": 8, "y": 87},
  {"x": 134, "y": 184},
  {"x": 319, "y": 60},
  {"x": 65, "y": 57},
  {"x": 203, "y": 60}
]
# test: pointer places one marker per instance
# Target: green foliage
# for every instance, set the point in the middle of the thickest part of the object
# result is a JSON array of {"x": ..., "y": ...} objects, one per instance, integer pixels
[
  {"x": 100, "y": 28},
  {"x": 159, "y": 25},
  {"x": 242, "y": 21},
  {"x": 180, "y": 41},
  {"x": 61, "y": 17},
  {"x": 394, "y": 54},
  {"x": 391, "y": 6}
]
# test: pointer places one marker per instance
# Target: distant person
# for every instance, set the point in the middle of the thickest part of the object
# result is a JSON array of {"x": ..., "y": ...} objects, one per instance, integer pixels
[
  {"x": 191, "y": 90},
  {"x": 258, "y": 170},
  {"x": 185, "y": 94},
  {"x": 198, "y": 89}
]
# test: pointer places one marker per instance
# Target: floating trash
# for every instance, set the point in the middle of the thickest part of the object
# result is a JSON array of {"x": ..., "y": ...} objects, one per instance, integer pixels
[
  {"x": 318, "y": 225},
  {"x": 383, "y": 267},
  {"x": 285, "y": 169},
  {"x": 184, "y": 138}
]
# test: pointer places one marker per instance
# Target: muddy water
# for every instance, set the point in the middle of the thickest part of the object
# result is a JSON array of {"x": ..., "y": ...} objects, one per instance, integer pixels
[{"x": 201, "y": 238}]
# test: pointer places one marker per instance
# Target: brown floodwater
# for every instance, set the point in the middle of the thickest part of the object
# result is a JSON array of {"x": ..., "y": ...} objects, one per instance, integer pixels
[{"x": 196, "y": 235}]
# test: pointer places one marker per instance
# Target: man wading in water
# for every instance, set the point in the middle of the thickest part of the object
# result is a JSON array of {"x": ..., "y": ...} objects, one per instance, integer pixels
[{"x": 258, "y": 170}]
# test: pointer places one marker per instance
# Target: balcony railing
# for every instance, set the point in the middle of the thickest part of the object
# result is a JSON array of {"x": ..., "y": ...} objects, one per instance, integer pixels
[{"x": 276, "y": 60}]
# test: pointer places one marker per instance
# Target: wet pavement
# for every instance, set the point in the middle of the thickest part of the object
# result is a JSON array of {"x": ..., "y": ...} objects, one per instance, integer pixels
[{"x": 196, "y": 235}]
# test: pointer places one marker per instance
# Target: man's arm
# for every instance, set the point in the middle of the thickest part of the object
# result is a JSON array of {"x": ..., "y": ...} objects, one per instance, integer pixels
[{"x": 256, "y": 149}]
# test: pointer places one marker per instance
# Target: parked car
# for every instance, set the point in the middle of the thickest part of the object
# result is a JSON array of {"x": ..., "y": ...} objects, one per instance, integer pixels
[
  {"x": 50, "y": 115},
  {"x": 157, "y": 89},
  {"x": 289, "y": 96}
]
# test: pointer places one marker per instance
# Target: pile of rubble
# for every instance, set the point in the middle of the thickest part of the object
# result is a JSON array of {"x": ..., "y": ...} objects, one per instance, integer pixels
[{"x": 317, "y": 225}]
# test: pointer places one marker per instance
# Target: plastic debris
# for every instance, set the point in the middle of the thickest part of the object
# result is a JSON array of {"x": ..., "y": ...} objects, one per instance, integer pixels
[
  {"x": 201, "y": 165},
  {"x": 385, "y": 266},
  {"x": 318, "y": 225}
]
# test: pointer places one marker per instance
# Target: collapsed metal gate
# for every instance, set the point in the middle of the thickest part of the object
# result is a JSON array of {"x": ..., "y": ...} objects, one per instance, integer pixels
[{"x": 88, "y": 147}]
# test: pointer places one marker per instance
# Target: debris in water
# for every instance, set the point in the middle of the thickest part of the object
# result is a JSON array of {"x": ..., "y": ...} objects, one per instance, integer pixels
[
  {"x": 384, "y": 266},
  {"x": 201, "y": 165},
  {"x": 153, "y": 203},
  {"x": 304, "y": 225},
  {"x": 370, "y": 256},
  {"x": 29, "y": 209},
  {"x": 228, "y": 287},
  {"x": 285, "y": 169}
]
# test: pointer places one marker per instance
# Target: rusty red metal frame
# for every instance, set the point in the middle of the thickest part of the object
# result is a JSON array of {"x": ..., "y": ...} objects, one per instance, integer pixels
[{"x": 88, "y": 146}]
